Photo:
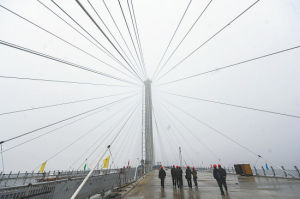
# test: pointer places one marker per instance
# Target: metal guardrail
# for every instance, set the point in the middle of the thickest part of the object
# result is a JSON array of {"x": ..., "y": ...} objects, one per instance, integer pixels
[
  {"x": 275, "y": 172},
  {"x": 20, "y": 179},
  {"x": 63, "y": 184},
  {"x": 262, "y": 171}
]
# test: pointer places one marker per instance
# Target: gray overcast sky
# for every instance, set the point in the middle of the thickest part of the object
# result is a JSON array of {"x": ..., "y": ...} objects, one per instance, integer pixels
[{"x": 271, "y": 83}]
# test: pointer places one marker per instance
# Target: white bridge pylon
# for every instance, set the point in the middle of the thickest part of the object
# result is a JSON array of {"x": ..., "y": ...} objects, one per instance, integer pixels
[{"x": 148, "y": 138}]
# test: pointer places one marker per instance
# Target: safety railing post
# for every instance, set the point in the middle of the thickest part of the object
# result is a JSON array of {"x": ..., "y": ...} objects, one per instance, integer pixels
[
  {"x": 17, "y": 178},
  {"x": 256, "y": 171},
  {"x": 285, "y": 173},
  {"x": 297, "y": 171},
  {"x": 274, "y": 174},
  {"x": 25, "y": 176},
  {"x": 7, "y": 178},
  {"x": 263, "y": 170},
  {"x": 2, "y": 175}
]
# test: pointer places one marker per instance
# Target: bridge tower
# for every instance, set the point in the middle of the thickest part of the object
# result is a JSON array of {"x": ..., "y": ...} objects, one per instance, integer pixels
[{"x": 148, "y": 134}]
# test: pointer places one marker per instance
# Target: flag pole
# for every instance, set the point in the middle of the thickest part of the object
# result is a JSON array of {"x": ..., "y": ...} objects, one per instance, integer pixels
[{"x": 89, "y": 174}]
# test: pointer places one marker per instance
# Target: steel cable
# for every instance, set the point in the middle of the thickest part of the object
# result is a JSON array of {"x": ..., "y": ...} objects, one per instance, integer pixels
[
  {"x": 62, "y": 61},
  {"x": 134, "y": 25},
  {"x": 111, "y": 34},
  {"x": 89, "y": 40},
  {"x": 191, "y": 132},
  {"x": 56, "y": 129},
  {"x": 234, "y": 105},
  {"x": 78, "y": 139},
  {"x": 106, "y": 51},
  {"x": 138, "y": 35},
  {"x": 128, "y": 29},
  {"x": 59, "y": 104},
  {"x": 214, "y": 129},
  {"x": 119, "y": 31},
  {"x": 60, "y": 121},
  {"x": 101, "y": 137},
  {"x": 231, "y": 65},
  {"x": 103, "y": 33},
  {"x": 209, "y": 39},
  {"x": 62, "y": 81}
]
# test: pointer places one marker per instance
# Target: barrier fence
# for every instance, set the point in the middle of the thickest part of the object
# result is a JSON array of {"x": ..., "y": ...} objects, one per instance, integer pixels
[
  {"x": 62, "y": 184},
  {"x": 262, "y": 171}
]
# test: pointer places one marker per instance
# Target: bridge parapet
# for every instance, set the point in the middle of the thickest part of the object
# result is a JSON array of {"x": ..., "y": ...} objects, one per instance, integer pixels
[
  {"x": 64, "y": 184},
  {"x": 262, "y": 172}
]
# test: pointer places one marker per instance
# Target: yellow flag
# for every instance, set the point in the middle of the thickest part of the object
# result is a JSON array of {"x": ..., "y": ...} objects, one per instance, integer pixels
[
  {"x": 43, "y": 167},
  {"x": 106, "y": 162}
]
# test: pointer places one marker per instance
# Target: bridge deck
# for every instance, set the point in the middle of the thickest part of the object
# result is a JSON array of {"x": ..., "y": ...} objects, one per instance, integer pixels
[{"x": 239, "y": 187}]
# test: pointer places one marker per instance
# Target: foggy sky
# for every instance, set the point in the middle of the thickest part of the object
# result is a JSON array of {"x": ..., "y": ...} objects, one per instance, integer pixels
[{"x": 271, "y": 83}]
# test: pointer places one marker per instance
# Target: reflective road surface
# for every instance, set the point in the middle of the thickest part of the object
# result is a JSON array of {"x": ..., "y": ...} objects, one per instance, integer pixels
[{"x": 239, "y": 187}]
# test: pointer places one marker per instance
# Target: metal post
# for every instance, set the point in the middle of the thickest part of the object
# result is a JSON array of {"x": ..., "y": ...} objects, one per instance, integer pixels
[
  {"x": 7, "y": 178},
  {"x": 2, "y": 175},
  {"x": 264, "y": 170},
  {"x": 25, "y": 176},
  {"x": 285, "y": 174},
  {"x": 143, "y": 125},
  {"x": 274, "y": 174},
  {"x": 297, "y": 171},
  {"x": 88, "y": 176},
  {"x": 17, "y": 178},
  {"x": 149, "y": 150},
  {"x": 180, "y": 157},
  {"x": 256, "y": 171}
]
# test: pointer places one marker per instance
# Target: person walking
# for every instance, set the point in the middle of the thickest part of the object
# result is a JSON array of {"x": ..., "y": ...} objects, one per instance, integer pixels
[
  {"x": 194, "y": 173},
  {"x": 162, "y": 176},
  {"x": 179, "y": 177},
  {"x": 188, "y": 176},
  {"x": 173, "y": 174},
  {"x": 218, "y": 176},
  {"x": 223, "y": 174}
]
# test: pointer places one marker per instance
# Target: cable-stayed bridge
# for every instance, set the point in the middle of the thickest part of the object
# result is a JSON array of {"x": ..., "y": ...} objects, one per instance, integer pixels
[{"x": 144, "y": 116}]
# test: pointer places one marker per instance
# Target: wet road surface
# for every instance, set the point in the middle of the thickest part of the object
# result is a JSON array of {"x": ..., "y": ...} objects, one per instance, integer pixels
[{"x": 240, "y": 187}]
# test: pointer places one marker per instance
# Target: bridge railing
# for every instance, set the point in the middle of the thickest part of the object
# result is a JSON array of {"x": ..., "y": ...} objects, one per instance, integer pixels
[
  {"x": 21, "y": 179},
  {"x": 64, "y": 183},
  {"x": 262, "y": 171},
  {"x": 277, "y": 172}
]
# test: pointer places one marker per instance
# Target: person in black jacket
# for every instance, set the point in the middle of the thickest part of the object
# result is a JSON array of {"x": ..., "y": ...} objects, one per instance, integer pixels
[
  {"x": 162, "y": 176},
  {"x": 223, "y": 174},
  {"x": 188, "y": 176},
  {"x": 173, "y": 174},
  {"x": 218, "y": 176},
  {"x": 179, "y": 177},
  {"x": 194, "y": 173}
]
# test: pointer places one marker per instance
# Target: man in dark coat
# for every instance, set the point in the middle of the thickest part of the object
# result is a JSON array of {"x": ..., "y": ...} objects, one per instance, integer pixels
[
  {"x": 162, "y": 176},
  {"x": 179, "y": 177},
  {"x": 223, "y": 174},
  {"x": 194, "y": 173},
  {"x": 188, "y": 176},
  {"x": 173, "y": 174},
  {"x": 218, "y": 176}
]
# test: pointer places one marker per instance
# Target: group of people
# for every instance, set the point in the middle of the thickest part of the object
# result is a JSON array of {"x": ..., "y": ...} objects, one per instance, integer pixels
[{"x": 176, "y": 172}]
